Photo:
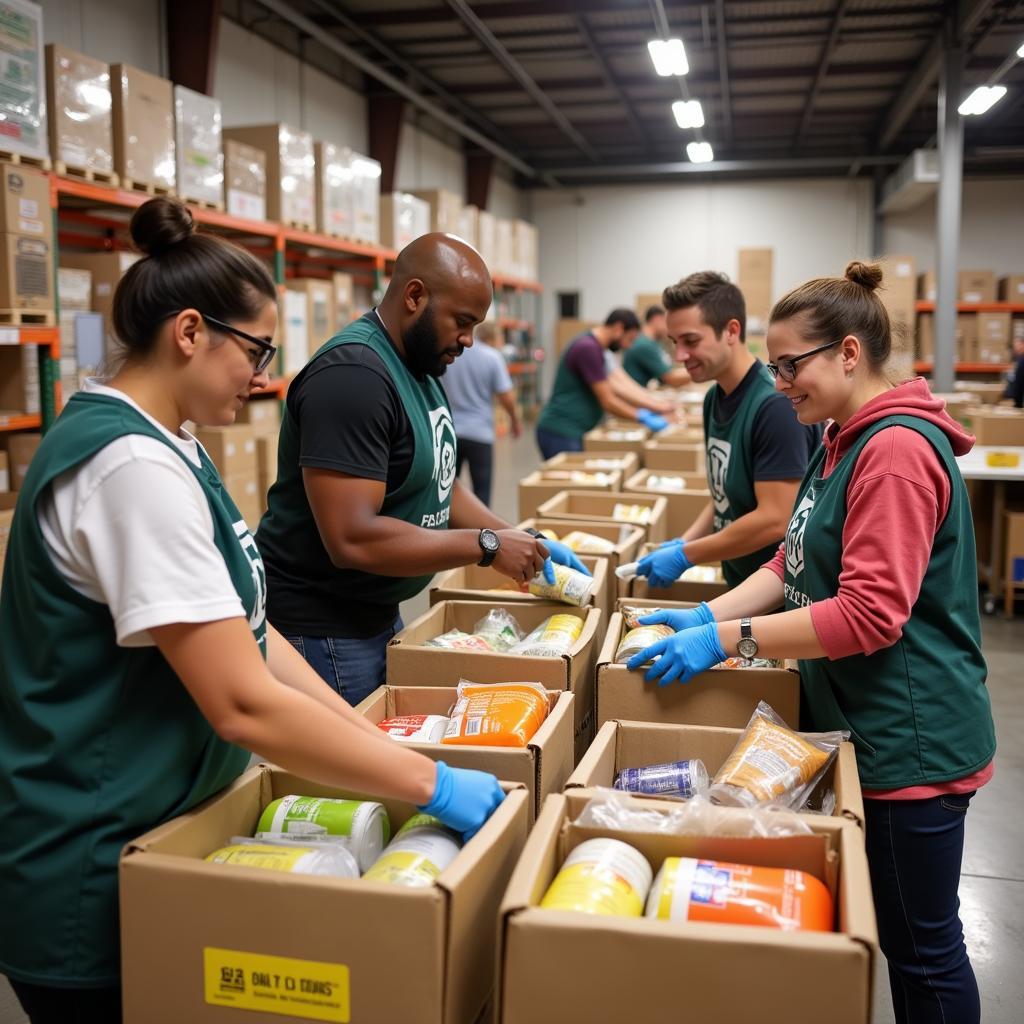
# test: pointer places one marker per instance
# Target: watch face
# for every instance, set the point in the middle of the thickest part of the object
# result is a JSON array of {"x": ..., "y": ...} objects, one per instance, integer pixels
[
  {"x": 489, "y": 540},
  {"x": 747, "y": 647}
]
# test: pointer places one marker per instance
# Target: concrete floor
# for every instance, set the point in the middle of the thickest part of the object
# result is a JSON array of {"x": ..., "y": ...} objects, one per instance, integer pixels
[{"x": 992, "y": 885}]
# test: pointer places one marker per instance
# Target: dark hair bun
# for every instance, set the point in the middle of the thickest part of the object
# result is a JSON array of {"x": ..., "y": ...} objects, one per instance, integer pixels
[
  {"x": 867, "y": 275},
  {"x": 158, "y": 224}
]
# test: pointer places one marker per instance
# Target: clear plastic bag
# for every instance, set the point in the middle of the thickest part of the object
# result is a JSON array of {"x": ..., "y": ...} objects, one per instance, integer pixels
[
  {"x": 457, "y": 640},
  {"x": 772, "y": 763},
  {"x": 496, "y": 714},
  {"x": 554, "y": 637},
  {"x": 499, "y": 629}
]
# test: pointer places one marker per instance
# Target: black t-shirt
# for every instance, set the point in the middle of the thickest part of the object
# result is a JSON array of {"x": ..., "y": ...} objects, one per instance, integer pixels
[{"x": 782, "y": 445}]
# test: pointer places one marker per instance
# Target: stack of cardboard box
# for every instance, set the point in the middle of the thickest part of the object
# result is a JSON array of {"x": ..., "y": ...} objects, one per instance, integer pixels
[
  {"x": 23, "y": 98},
  {"x": 143, "y": 123},
  {"x": 403, "y": 217},
  {"x": 233, "y": 451},
  {"x": 245, "y": 180},
  {"x": 26, "y": 252},
  {"x": 347, "y": 193},
  {"x": 445, "y": 209},
  {"x": 106, "y": 270},
  {"x": 263, "y": 417},
  {"x": 198, "y": 147}
]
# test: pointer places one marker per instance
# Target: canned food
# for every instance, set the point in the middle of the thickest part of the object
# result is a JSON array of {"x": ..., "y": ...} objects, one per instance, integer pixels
[
  {"x": 415, "y": 728},
  {"x": 552, "y": 638},
  {"x": 570, "y": 586},
  {"x": 624, "y": 513},
  {"x": 420, "y": 851},
  {"x": 336, "y": 862},
  {"x": 639, "y": 639},
  {"x": 601, "y": 876},
  {"x": 675, "y": 778}
]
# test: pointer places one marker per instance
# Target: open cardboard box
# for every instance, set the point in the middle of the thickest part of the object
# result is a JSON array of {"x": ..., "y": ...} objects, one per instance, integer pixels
[
  {"x": 628, "y": 462},
  {"x": 724, "y": 697},
  {"x": 542, "y": 766},
  {"x": 681, "y": 433},
  {"x": 679, "y": 457},
  {"x": 682, "y": 590},
  {"x": 617, "y": 437},
  {"x": 683, "y": 506},
  {"x": 542, "y": 484},
  {"x": 409, "y": 663},
  {"x": 559, "y": 966},
  {"x": 200, "y": 941},
  {"x": 597, "y": 507},
  {"x": 476, "y": 583},
  {"x": 621, "y": 745},
  {"x": 626, "y": 538}
]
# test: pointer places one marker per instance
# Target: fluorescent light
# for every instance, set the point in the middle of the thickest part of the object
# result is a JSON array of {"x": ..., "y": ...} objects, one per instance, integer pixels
[
  {"x": 688, "y": 113},
  {"x": 1020, "y": 51},
  {"x": 700, "y": 152},
  {"x": 669, "y": 56},
  {"x": 981, "y": 99}
]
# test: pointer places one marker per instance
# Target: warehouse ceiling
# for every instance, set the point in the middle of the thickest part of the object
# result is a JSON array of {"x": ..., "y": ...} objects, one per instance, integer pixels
[{"x": 786, "y": 86}]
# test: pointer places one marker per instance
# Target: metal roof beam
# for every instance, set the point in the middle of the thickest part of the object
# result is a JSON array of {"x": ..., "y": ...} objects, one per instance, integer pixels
[
  {"x": 723, "y": 68},
  {"x": 487, "y": 39},
  {"x": 674, "y": 168},
  {"x": 826, "y": 55}
]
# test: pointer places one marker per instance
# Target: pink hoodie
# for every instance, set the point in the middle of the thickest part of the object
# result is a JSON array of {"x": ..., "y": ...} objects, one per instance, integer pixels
[{"x": 897, "y": 498}]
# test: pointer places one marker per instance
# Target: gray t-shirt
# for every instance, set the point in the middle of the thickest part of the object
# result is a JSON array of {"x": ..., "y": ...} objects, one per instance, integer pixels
[{"x": 471, "y": 382}]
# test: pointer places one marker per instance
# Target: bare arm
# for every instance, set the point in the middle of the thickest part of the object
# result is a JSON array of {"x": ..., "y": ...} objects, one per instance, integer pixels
[
  {"x": 702, "y": 525},
  {"x": 508, "y": 403},
  {"x": 610, "y": 401},
  {"x": 785, "y": 635},
  {"x": 677, "y": 377},
  {"x": 629, "y": 391},
  {"x": 759, "y": 593}
]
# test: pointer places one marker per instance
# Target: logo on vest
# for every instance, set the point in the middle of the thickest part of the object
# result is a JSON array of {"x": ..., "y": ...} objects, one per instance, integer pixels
[
  {"x": 442, "y": 432},
  {"x": 719, "y": 452},
  {"x": 258, "y": 611},
  {"x": 795, "y": 535}
]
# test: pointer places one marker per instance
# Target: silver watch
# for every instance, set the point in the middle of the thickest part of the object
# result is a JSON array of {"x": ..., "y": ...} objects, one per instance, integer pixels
[{"x": 747, "y": 645}]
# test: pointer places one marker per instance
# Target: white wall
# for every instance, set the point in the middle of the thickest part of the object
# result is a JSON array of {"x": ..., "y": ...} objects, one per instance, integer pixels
[
  {"x": 117, "y": 31},
  {"x": 611, "y": 243},
  {"x": 991, "y": 229},
  {"x": 426, "y": 162}
]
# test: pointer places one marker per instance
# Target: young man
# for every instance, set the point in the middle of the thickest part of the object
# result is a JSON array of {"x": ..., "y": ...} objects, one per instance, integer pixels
[
  {"x": 757, "y": 450},
  {"x": 472, "y": 383},
  {"x": 366, "y": 507},
  {"x": 646, "y": 360},
  {"x": 583, "y": 392}
]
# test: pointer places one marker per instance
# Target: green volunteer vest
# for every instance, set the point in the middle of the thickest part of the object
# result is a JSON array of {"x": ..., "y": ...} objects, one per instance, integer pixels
[
  {"x": 918, "y": 712},
  {"x": 424, "y": 498},
  {"x": 98, "y": 743},
  {"x": 645, "y": 360},
  {"x": 730, "y": 469},
  {"x": 572, "y": 409}
]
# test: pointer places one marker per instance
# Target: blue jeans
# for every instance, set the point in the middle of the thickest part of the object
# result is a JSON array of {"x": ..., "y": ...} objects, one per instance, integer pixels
[
  {"x": 353, "y": 667},
  {"x": 914, "y": 851},
  {"x": 553, "y": 444}
]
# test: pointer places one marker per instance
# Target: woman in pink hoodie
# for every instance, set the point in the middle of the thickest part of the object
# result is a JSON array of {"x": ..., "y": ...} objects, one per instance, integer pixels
[{"x": 878, "y": 576}]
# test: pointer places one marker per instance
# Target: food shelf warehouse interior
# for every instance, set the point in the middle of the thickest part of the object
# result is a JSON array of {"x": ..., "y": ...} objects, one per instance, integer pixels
[{"x": 511, "y": 511}]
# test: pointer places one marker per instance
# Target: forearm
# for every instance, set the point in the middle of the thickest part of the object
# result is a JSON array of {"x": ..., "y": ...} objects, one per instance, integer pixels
[
  {"x": 508, "y": 403},
  {"x": 743, "y": 536},
  {"x": 701, "y": 526},
  {"x": 391, "y": 547},
  {"x": 616, "y": 406},
  {"x": 629, "y": 391},
  {"x": 785, "y": 635},
  {"x": 470, "y": 513},
  {"x": 677, "y": 377},
  {"x": 759, "y": 593}
]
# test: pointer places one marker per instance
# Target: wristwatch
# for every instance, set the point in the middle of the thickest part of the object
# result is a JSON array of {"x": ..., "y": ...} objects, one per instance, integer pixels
[
  {"x": 490, "y": 544},
  {"x": 747, "y": 645},
  {"x": 535, "y": 534}
]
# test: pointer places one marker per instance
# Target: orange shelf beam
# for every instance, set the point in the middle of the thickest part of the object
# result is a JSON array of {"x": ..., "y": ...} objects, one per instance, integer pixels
[
  {"x": 975, "y": 307},
  {"x": 20, "y": 421},
  {"x": 29, "y": 335},
  {"x": 275, "y": 389}
]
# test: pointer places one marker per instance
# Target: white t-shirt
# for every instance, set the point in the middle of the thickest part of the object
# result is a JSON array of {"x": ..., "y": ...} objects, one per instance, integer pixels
[{"x": 131, "y": 528}]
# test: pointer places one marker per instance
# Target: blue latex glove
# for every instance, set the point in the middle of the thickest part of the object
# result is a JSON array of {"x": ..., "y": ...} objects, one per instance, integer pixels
[
  {"x": 683, "y": 618},
  {"x": 682, "y": 656},
  {"x": 563, "y": 555},
  {"x": 664, "y": 566},
  {"x": 651, "y": 420},
  {"x": 464, "y": 799}
]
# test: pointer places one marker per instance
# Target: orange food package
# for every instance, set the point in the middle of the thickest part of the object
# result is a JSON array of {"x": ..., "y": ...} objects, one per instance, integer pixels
[{"x": 496, "y": 714}]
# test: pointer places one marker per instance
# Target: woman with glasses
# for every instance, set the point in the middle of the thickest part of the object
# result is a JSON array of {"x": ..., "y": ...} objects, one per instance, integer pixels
[
  {"x": 879, "y": 579},
  {"x": 137, "y": 669}
]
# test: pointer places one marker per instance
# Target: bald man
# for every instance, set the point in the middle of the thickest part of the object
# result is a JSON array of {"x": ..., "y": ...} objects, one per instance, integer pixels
[{"x": 366, "y": 508}]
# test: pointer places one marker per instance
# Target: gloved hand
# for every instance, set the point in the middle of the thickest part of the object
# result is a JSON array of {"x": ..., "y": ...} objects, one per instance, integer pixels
[
  {"x": 684, "y": 618},
  {"x": 464, "y": 799},
  {"x": 682, "y": 656},
  {"x": 664, "y": 565},
  {"x": 651, "y": 420},
  {"x": 563, "y": 555}
]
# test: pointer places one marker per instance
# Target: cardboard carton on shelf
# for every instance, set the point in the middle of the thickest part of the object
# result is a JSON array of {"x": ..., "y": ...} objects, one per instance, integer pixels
[
  {"x": 266, "y": 465},
  {"x": 597, "y": 507},
  {"x": 403, "y": 217},
  {"x": 232, "y": 449},
  {"x": 537, "y": 487},
  {"x": 245, "y": 180},
  {"x": 198, "y": 147},
  {"x": 262, "y": 416},
  {"x": 79, "y": 113},
  {"x": 5, "y": 473},
  {"x": 244, "y": 489},
  {"x": 1011, "y": 289},
  {"x": 469, "y": 226},
  {"x": 724, "y": 697},
  {"x": 75, "y": 289},
  {"x": 410, "y": 663},
  {"x": 23, "y": 99},
  {"x": 754, "y": 280},
  {"x": 297, "y": 335},
  {"x": 525, "y": 251},
  {"x": 445, "y": 208},
  {"x": 504, "y": 244},
  {"x": 107, "y": 269},
  {"x": 898, "y": 293},
  {"x": 26, "y": 274},
  {"x": 625, "y": 744},
  {"x": 994, "y": 333},
  {"x": 487, "y": 239},
  {"x": 786, "y": 976},
  {"x": 973, "y": 286},
  {"x": 319, "y": 308},
  {"x": 330, "y": 941},
  {"x": 21, "y": 447},
  {"x": 344, "y": 300},
  {"x": 966, "y": 339},
  {"x": 347, "y": 193},
  {"x": 542, "y": 766},
  {"x": 291, "y": 186},
  {"x": 144, "y": 151}
]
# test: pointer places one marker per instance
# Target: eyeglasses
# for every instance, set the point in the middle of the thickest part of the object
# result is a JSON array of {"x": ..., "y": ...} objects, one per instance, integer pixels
[
  {"x": 260, "y": 360},
  {"x": 786, "y": 366}
]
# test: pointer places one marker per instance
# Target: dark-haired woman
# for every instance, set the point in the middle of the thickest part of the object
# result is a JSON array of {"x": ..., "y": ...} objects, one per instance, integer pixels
[
  {"x": 878, "y": 574},
  {"x": 137, "y": 668}
]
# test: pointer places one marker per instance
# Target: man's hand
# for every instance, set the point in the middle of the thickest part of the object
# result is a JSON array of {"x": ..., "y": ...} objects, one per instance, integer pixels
[{"x": 520, "y": 556}]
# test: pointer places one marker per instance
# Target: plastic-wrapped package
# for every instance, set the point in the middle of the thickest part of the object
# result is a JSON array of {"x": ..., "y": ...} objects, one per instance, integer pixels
[
  {"x": 198, "y": 151},
  {"x": 625, "y": 435},
  {"x": 584, "y": 543},
  {"x": 23, "y": 95},
  {"x": 668, "y": 484},
  {"x": 601, "y": 876},
  {"x": 81, "y": 133},
  {"x": 639, "y": 514},
  {"x": 496, "y": 714},
  {"x": 415, "y": 728},
  {"x": 551, "y": 639},
  {"x": 499, "y": 629},
  {"x": 245, "y": 180},
  {"x": 143, "y": 126},
  {"x": 750, "y": 663},
  {"x": 639, "y": 639},
  {"x": 674, "y": 778},
  {"x": 330, "y": 859},
  {"x": 421, "y": 850},
  {"x": 457, "y": 640},
  {"x": 773, "y": 763},
  {"x": 570, "y": 586},
  {"x": 632, "y": 613}
]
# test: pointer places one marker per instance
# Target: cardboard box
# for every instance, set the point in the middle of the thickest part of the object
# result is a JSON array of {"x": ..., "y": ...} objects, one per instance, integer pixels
[
  {"x": 680, "y": 458},
  {"x": 620, "y": 745},
  {"x": 996, "y": 426},
  {"x": 319, "y": 308},
  {"x": 143, "y": 125},
  {"x": 993, "y": 344},
  {"x": 26, "y": 202},
  {"x": 445, "y": 208},
  {"x": 296, "y": 331},
  {"x": 559, "y": 966},
  {"x": 289, "y": 160},
  {"x": 20, "y": 449},
  {"x": 339, "y": 929},
  {"x": 344, "y": 300},
  {"x": 754, "y": 279},
  {"x": 244, "y": 489},
  {"x": 5, "y": 474},
  {"x": 106, "y": 268},
  {"x": 596, "y": 507},
  {"x": 567, "y": 330},
  {"x": 403, "y": 217},
  {"x": 409, "y": 663},
  {"x": 262, "y": 415},
  {"x": 629, "y": 438},
  {"x": 198, "y": 148},
  {"x": 23, "y": 99},
  {"x": 685, "y": 591},
  {"x": 504, "y": 247},
  {"x": 966, "y": 338},
  {"x": 79, "y": 109},
  {"x": 347, "y": 193},
  {"x": 1011, "y": 288},
  {"x": 976, "y": 286},
  {"x": 487, "y": 239},
  {"x": 525, "y": 250},
  {"x": 266, "y": 465},
  {"x": 723, "y": 697},
  {"x": 469, "y": 225},
  {"x": 683, "y": 506},
  {"x": 232, "y": 449},
  {"x": 75, "y": 290},
  {"x": 899, "y": 294},
  {"x": 542, "y": 484},
  {"x": 542, "y": 766},
  {"x": 476, "y": 583},
  {"x": 627, "y": 462},
  {"x": 26, "y": 272},
  {"x": 644, "y": 301},
  {"x": 245, "y": 180}
]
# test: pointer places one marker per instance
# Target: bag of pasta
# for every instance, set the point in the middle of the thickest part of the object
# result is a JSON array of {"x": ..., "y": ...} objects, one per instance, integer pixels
[{"x": 496, "y": 714}]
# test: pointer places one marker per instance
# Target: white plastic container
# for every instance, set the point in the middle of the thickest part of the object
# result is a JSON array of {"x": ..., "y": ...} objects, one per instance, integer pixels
[
  {"x": 420, "y": 851},
  {"x": 601, "y": 876}
]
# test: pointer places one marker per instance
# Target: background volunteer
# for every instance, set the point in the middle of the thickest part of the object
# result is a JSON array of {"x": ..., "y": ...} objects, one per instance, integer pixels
[{"x": 646, "y": 360}]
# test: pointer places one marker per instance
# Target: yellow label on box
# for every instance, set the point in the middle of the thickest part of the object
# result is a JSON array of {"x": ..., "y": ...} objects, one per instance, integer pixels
[{"x": 309, "y": 989}]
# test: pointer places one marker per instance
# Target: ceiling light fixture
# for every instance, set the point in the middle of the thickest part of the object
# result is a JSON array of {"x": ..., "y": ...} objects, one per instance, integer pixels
[
  {"x": 700, "y": 152},
  {"x": 982, "y": 99},
  {"x": 688, "y": 113},
  {"x": 669, "y": 56}
]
